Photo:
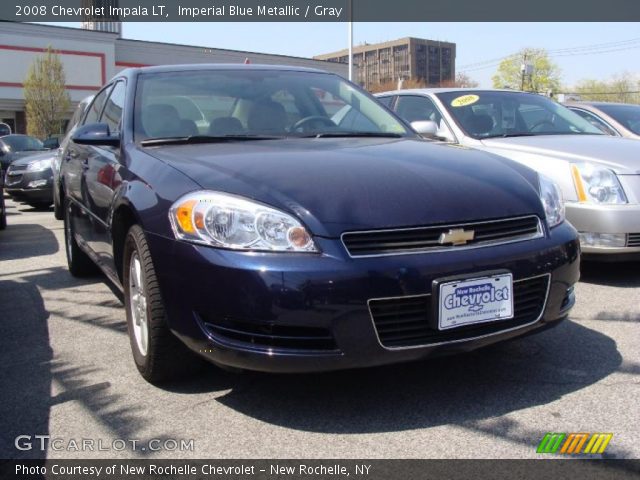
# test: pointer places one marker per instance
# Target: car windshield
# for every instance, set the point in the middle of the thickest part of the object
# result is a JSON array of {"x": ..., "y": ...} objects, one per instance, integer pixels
[
  {"x": 255, "y": 104},
  {"x": 627, "y": 115},
  {"x": 21, "y": 143},
  {"x": 487, "y": 114}
]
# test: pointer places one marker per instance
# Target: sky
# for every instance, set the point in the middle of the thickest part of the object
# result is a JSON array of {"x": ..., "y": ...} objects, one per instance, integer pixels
[{"x": 476, "y": 42}]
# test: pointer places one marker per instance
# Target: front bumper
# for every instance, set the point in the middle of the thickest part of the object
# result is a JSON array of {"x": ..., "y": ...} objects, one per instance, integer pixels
[
  {"x": 17, "y": 184},
  {"x": 308, "y": 312},
  {"x": 623, "y": 219}
]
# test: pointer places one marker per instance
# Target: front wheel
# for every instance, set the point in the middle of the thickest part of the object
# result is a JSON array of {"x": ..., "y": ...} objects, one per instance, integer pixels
[
  {"x": 3, "y": 212},
  {"x": 157, "y": 353},
  {"x": 58, "y": 211}
]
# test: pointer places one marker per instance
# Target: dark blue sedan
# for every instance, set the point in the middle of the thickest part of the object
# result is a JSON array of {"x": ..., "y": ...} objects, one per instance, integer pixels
[{"x": 280, "y": 219}]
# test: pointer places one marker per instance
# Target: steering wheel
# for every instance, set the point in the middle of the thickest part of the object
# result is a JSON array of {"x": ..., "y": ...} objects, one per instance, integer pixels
[
  {"x": 313, "y": 118},
  {"x": 540, "y": 123}
]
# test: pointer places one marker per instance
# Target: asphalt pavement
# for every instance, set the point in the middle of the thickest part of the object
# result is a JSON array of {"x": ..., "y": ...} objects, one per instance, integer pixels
[{"x": 67, "y": 373}]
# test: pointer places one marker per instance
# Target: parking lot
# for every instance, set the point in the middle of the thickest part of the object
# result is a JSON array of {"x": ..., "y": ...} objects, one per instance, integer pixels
[{"x": 68, "y": 373}]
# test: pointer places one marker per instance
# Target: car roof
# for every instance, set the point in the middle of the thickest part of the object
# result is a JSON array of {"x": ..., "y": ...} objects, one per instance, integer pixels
[
  {"x": 447, "y": 90},
  {"x": 215, "y": 66},
  {"x": 577, "y": 103}
]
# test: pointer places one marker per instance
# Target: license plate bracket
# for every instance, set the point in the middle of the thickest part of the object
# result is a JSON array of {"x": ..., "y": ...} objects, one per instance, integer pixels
[{"x": 472, "y": 299}]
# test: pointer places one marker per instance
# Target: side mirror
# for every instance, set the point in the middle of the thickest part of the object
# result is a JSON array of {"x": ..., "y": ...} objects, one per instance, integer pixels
[
  {"x": 426, "y": 128},
  {"x": 97, "y": 134}
]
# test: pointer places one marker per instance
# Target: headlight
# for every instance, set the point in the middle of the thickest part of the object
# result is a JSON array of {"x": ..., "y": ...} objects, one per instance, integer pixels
[
  {"x": 597, "y": 184},
  {"x": 40, "y": 165},
  {"x": 552, "y": 201},
  {"x": 228, "y": 221}
]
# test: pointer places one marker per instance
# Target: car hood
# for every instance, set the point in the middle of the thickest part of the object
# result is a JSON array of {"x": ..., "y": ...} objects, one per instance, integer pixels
[
  {"x": 25, "y": 158},
  {"x": 620, "y": 154},
  {"x": 336, "y": 185}
]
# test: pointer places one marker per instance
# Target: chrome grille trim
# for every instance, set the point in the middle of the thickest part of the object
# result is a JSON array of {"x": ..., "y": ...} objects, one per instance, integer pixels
[
  {"x": 444, "y": 248},
  {"x": 477, "y": 337}
]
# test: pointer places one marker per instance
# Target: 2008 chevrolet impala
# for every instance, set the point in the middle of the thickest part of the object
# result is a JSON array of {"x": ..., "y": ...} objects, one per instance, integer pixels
[{"x": 249, "y": 216}]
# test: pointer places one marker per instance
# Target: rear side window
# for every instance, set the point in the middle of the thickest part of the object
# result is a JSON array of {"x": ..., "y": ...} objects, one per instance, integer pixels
[
  {"x": 595, "y": 121},
  {"x": 95, "y": 109},
  {"x": 112, "y": 114}
]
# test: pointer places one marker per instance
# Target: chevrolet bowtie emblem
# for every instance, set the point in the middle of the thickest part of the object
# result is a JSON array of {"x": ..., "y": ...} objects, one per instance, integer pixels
[{"x": 458, "y": 236}]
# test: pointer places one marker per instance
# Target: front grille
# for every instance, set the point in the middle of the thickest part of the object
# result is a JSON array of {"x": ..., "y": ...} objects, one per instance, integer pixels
[
  {"x": 633, "y": 240},
  {"x": 404, "y": 321},
  {"x": 412, "y": 240},
  {"x": 12, "y": 179},
  {"x": 270, "y": 336}
]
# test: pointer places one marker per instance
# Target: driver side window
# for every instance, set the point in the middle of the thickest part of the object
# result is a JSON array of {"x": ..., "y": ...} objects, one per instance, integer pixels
[{"x": 94, "y": 111}]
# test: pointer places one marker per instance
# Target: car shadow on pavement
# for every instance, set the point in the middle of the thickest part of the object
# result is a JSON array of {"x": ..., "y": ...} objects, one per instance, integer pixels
[
  {"x": 459, "y": 389},
  {"x": 27, "y": 240},
  {"x": 31, "y": 369},
  {"x": 623, "y": 275},
  {"x": 25, "y": 375}
]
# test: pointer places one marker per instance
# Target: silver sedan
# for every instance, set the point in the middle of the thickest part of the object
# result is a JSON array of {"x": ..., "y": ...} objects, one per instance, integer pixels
[
  {"x": 599, "y": 175},
  {"x": 616, "y": 119}
]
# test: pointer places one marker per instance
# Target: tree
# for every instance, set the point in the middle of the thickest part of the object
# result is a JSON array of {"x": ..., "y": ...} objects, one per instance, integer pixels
[
  {"x": 46, "y": 100},
  {"x": 544, "y": 76},
  {"x": 624, "y": 88},
  {"x": 465, "y": 81},
  {"x": 393, "y": 85}
]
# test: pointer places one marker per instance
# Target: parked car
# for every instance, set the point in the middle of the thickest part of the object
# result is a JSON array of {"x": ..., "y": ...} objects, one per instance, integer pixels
[
  {"x": 16, "y": 146},
  {"x": 616, "y": 119},
  {"x": 30, "y": 179},
  {"x": 4, "y": 129},
  {"x": 280, "y": 241},
  {"x": 3, "y": 209},
  {"x": 61, "y": 152},
  {"x": 599, "y": 175}
]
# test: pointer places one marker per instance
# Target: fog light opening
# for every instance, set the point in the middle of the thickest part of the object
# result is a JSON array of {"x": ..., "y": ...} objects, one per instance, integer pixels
[
  {"x": 603, "y": 240},
  {"x": 37, "y": 183}
]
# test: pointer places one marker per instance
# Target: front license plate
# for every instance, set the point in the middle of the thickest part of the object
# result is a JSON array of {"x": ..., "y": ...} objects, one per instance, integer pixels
[{"x": 478, "y": 300}]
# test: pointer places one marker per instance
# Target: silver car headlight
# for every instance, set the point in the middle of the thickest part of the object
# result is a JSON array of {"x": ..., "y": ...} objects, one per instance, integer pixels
[
  {"x": 40, "y": 165},
  {"x": 596, "y": 184},
  {"x": 552, "y": 201},
  {"x": 228, "y": 221}
]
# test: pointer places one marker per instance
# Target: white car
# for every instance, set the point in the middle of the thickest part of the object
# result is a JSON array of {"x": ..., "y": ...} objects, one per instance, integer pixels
[{"x": 599, "y": 175}]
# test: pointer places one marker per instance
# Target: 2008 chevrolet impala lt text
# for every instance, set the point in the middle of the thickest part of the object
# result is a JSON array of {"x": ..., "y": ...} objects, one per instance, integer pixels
[{"x": 280, "y": 219}]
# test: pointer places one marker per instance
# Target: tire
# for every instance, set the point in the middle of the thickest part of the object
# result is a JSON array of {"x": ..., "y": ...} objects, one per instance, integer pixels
[
  {"x": 3, "y": 214},
  {"x": 58, "y": 211},
  {"x": 157, "y": 353},
  {"x": 39, "y": 205},
  {"x": 79, "y": 263}
]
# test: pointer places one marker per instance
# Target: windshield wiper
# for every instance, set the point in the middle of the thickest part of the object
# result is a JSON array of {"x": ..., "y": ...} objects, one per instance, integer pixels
[
  {"x": 351, "y": 134},
  {"x": 509, "y": 135},
  {"x": 204, "y": 139}
]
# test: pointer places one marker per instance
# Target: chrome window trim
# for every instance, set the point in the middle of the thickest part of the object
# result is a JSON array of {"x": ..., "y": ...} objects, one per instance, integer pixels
[
  {"x": 449, "y": 342},
  {"x": 598, "y": 118},
  {"x": 521, "y": 238}
]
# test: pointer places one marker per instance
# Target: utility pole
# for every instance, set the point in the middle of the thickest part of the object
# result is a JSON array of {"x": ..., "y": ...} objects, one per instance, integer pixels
[
  {"x": 351, "y": 40},
  {"x": 525, "y": 69}
]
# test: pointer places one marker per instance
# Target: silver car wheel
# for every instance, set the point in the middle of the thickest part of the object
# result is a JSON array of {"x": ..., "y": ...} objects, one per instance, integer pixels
[{"x": 138, "y": 304}]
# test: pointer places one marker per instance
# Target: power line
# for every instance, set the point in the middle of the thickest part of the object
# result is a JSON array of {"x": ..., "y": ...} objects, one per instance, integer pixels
[
  {"x": 601, "y": 93},
  {"x": 594, "y": 49}
]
